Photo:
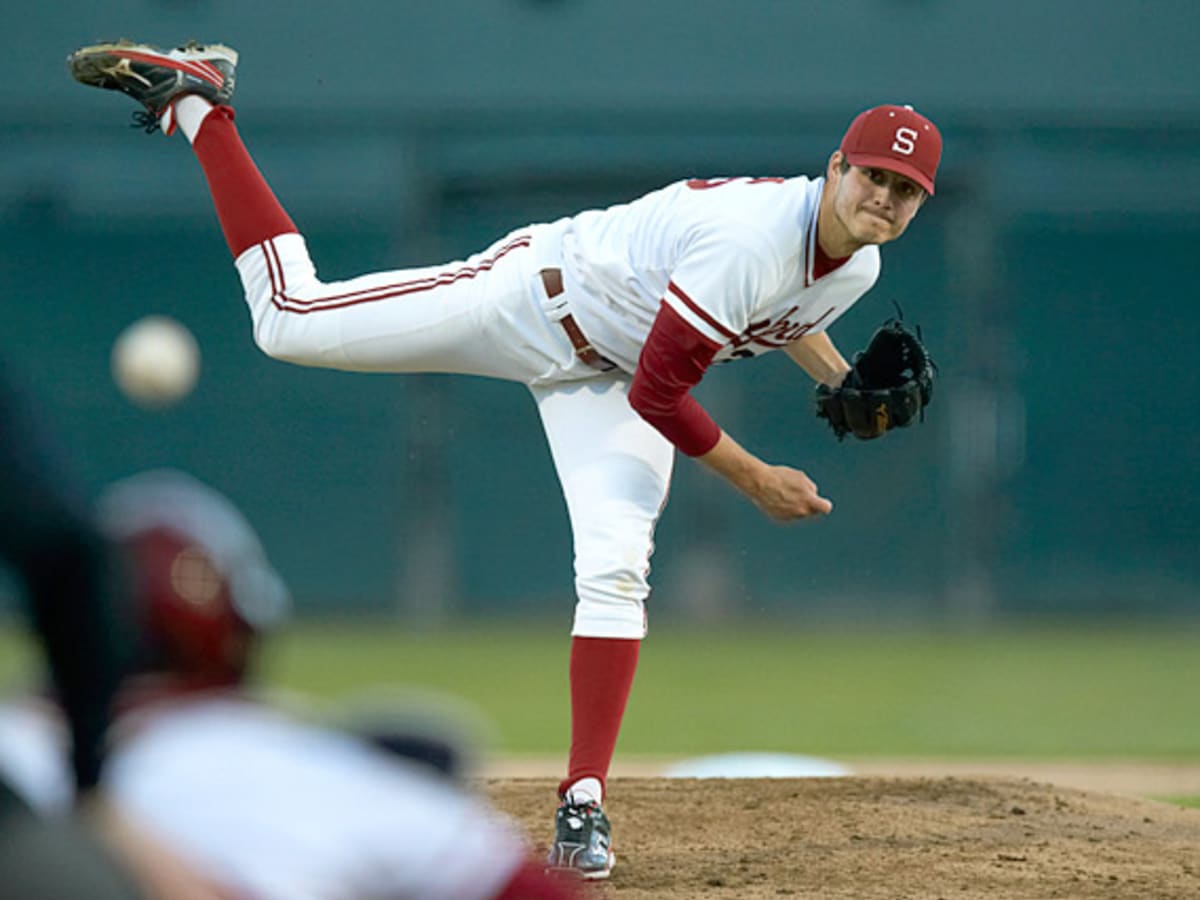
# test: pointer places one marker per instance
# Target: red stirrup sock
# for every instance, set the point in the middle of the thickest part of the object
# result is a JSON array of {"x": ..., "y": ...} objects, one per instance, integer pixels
[
  {"x": 602, "y": 672},
  {"x": 248, "y": 209}
]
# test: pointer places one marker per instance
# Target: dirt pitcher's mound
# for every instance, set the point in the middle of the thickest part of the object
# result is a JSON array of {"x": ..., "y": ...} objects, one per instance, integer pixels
[{"x": 920, "y": 838}]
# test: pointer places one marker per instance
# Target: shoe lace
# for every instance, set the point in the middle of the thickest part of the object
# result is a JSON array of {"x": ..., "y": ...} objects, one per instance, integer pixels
[
  {"x": 589, "y": 813},
  {"x": 145, "y": 120}
]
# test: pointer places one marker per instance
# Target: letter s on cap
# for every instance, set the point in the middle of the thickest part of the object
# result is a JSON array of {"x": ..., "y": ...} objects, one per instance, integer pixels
[{"x": 906, "y": 141}]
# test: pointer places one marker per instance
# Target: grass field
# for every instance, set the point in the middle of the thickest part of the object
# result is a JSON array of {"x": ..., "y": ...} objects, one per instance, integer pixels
[
  {"x": 1051, "y": 693},
  {"x": 1060, "y": 693}
]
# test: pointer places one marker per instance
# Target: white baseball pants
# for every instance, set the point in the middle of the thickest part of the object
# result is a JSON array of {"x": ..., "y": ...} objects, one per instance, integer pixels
[{"x": 489, "y": 315}]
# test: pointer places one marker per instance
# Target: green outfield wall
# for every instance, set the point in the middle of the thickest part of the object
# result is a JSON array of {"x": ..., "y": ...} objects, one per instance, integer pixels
[{"x": 1053, "y": 276}]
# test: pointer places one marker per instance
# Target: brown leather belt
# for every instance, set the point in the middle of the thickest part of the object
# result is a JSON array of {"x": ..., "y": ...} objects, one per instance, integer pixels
[{"x": 589, "y": 355}]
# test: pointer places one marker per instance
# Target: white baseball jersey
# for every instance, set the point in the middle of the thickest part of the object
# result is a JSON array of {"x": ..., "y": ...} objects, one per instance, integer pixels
[
  {"x": 733, "y": 256},
  {"x": 274, "y": 808}
]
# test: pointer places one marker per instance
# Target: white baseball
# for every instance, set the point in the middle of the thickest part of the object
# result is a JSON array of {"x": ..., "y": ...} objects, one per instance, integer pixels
[{"x": 155, "y": 361}]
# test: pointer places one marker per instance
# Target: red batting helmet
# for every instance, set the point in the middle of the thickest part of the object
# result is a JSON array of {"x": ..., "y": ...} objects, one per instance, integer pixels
[{"x": 203, "y": 588}]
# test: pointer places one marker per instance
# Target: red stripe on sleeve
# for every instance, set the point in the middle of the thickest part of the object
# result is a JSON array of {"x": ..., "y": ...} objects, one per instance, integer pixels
[
  {"x": 695, "y": 307},
  {"x": 672, "y": 362}
]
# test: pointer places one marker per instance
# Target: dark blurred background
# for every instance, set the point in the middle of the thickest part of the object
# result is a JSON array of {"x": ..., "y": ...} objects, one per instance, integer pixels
[{"x": 1054, "y": 276}]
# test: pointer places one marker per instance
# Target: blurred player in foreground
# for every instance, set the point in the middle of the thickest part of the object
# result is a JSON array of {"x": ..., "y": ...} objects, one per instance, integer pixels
[
  {"x": 266, "y": 805},
  {"x": 73, "y": 590},
  {"x": 610, "y": 317}
]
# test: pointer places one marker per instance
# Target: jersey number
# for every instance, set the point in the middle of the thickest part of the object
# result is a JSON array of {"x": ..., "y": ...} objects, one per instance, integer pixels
[{"x": 703, "y": 184}]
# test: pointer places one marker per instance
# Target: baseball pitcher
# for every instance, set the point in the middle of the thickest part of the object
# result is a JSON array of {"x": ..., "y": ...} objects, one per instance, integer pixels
[{"x": 610, "y": 318}]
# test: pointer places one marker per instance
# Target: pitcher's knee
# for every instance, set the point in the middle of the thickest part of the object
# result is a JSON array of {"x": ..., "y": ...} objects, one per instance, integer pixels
[
  {"x": 295, "y": 338},
  {"x": 611, "y": 603},
  {"x": 609, "y": 618},
  {"x": 275, "y": 337}
]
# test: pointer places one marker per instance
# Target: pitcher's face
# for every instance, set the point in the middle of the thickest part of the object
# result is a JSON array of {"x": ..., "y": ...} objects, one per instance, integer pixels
[{"x": 872, "y": 205}]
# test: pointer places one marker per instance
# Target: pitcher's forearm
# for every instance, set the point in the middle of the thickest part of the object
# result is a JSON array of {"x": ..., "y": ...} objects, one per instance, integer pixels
[
  {"x": 781, "y": 492},
  {"x": 817, "y": 355},
  {"x": 738, "y": 466}
]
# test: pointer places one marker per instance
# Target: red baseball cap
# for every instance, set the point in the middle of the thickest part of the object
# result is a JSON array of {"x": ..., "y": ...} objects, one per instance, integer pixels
[{"x": 896, "y": 138}]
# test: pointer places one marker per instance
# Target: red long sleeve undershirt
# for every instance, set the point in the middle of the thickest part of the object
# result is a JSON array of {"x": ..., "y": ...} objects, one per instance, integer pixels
[{"x": 672, "y": 362}]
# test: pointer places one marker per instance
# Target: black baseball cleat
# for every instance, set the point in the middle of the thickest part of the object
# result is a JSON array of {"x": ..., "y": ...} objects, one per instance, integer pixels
[
  {"x": 582, "y": 841},
  {"x": 154, "y": 77}
]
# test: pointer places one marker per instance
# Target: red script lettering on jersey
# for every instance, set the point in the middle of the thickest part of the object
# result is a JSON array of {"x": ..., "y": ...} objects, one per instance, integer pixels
[{"x": 777, "y": 333}]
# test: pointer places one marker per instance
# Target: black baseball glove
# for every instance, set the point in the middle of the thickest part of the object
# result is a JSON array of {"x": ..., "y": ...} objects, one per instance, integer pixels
[{"x": 888, "y": 386}]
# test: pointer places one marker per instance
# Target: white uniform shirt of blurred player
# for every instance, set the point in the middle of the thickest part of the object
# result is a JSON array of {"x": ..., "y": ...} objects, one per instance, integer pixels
[
  {"x": 273, "y": 807},
  {"x": 286, "y": 810}
]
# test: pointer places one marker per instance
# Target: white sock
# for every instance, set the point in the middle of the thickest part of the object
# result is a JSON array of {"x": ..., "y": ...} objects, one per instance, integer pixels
[
  {"x": 585, "y": 790},
  {"x": 189, "y": 111}
]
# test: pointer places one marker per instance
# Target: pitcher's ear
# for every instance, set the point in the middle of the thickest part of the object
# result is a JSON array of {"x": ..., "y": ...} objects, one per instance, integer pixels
[{"x": 834, "y": 167}]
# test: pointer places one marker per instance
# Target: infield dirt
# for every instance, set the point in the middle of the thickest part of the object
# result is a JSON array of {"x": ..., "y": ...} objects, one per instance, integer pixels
[{"x": 923, "y": 838}]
